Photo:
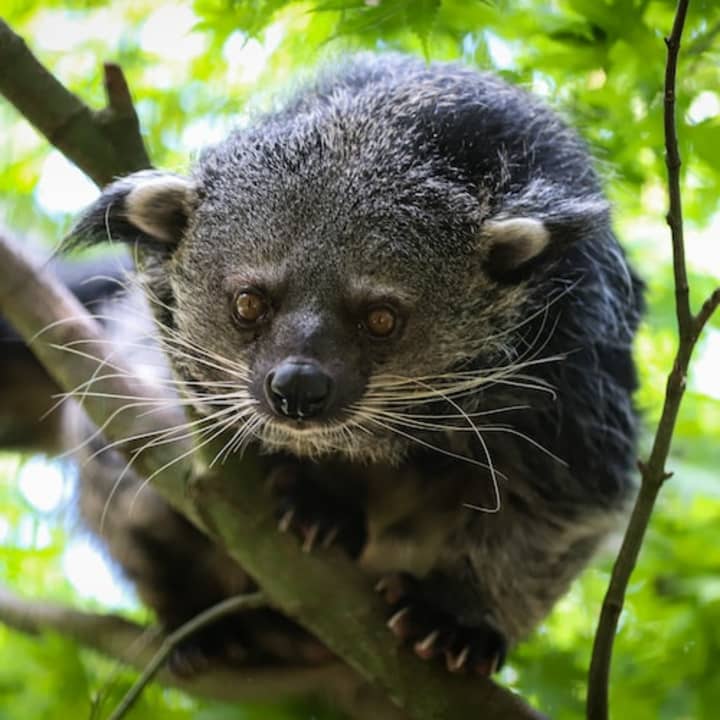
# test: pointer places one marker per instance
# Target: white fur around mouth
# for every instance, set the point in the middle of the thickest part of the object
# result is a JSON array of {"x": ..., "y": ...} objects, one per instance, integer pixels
[
  {"x": 342, "y": 439},
  {"x": 301, "y": 427},
  {"x": 303, "y": 439}
]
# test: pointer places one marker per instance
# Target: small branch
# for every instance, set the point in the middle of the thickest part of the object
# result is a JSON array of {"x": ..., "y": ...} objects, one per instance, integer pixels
[
  {"x": 706, "y": 311},
  {"x": 653, "y": 472},
  {"x": 93, "y": 141},
  {"x": 672, "y": 161},
  {"x": 117, "y": 90},
  {"x": 170, "y": 642},
  {"x": 119, "y": 121},
  {"x": 108, "y": 634}
]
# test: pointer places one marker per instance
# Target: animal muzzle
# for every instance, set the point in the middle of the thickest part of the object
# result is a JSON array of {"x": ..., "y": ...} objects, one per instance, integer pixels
[{"x": 300, "y": 390}]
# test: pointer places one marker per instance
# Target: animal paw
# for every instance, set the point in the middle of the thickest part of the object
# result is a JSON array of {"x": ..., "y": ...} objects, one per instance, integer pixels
[
  {"x": 479, "y": 649},
  {"x": 206, "y": 649},
  {"x": 316, "y": 518}
]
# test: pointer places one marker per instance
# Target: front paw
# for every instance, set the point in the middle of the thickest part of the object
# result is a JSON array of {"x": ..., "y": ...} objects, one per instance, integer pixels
[
  {"x": 314, "y": 516},
  {"x": 218, "y": 645},
  {"x": 246, "y": 639},
  {"x": 479, "y": 649}
]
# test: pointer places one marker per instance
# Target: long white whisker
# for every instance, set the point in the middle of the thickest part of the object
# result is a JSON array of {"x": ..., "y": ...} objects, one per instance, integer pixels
[
  {"x": 370, "y": 418},
  {"x": 478, "y": 434},
  {"x": 223, "y": 427},
  {"x": 176, "y": 433},
  {"x": 238, "y": 433},
  {"x": 165, "y": 437}
]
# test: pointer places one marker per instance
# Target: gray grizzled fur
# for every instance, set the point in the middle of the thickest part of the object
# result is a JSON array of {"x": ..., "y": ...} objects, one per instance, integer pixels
[{"x": 487, "y": 446}]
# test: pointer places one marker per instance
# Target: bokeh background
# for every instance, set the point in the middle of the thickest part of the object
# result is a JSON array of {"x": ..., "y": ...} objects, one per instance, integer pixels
[{"x": 198, "y": 69}]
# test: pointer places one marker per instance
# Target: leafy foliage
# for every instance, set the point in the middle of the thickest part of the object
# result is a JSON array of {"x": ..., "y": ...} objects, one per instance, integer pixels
[{"x": 193, "y": 68}]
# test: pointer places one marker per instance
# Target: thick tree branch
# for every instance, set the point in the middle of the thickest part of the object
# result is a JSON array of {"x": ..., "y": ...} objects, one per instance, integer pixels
[
  {"x": 241, "y": 516},
  {"x": 653, "y": 472},
  {"x": 102, "y": 144},
  {"x": 135, "y": 646}
]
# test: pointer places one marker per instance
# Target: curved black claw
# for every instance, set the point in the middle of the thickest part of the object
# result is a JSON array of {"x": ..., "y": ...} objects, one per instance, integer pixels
[
  {"x": 318, "y": 519},
  {"x": 480, "y": 649}
]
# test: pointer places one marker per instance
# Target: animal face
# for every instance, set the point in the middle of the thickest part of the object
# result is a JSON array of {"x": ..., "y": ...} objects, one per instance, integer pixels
[
  {"x": 328, "y": 324},
  {"x": 350, "y": 274}
]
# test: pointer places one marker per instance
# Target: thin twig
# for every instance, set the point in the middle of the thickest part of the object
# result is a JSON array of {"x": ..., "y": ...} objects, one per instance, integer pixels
[
  {"x": 706, "y": 311},
  {"x": 653, "y": 472},
  {"x": 672, "y": 161},
  {"x": 172, "y": 641}
]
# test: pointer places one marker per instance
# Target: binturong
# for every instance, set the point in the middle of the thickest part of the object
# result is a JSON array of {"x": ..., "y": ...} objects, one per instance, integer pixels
[{"x": 401, "y": 289}]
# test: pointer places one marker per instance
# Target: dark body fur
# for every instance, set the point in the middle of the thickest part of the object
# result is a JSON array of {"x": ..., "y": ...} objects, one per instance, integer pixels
[{"x": 472, "y": 210}]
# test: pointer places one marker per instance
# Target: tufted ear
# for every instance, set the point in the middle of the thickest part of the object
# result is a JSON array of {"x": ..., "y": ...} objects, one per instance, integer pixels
[
  {"x": 514, "y": 242},
  {"x": 539, "y": 224},
  {"x": 147, "y": 207}
]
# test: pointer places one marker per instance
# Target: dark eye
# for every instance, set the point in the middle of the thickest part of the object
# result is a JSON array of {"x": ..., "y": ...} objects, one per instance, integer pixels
[
  {"x": 381, "y": 321},
  {"x": 249, "y": 307}
]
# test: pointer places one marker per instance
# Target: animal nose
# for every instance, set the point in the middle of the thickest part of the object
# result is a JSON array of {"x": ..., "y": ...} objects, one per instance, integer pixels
[{"x": 298, "y": 390}]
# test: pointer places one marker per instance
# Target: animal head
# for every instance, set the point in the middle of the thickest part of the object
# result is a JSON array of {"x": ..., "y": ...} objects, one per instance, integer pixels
[{"x": 371, "y": 249}]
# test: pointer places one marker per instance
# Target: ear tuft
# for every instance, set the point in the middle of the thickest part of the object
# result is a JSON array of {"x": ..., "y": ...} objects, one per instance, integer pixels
[
  {"x": 147, "y": 207},
  {"x": 514, "y": 242},
  {"x": 540, "y": 222},
  {"x": 159, "y": 206}
]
